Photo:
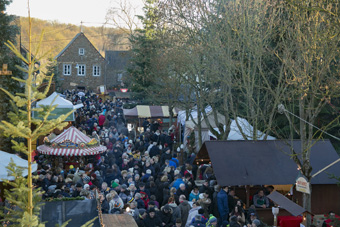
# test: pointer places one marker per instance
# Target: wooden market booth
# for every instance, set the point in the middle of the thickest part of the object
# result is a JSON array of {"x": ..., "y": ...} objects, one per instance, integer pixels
[
  {"x": 136, "y": 115},
  {"x": 248, "y": 165}
]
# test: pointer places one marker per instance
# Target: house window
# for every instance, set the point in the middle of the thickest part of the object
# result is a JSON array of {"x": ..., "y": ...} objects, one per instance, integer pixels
[
  {"x": 67, "y": 69},
  {"x": 81, "y": 51},
  {"x": 81, "y": 70},
  {"x": 96, "y": 70},
  {"x": 119, "y": 77}
]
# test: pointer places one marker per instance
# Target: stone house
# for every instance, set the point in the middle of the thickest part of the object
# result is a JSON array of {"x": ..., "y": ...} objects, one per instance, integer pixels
[{"x": 80, "y": 65}]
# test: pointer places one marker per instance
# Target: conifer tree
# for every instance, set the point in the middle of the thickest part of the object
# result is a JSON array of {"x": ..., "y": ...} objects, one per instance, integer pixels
[
  {"x": 144, "y": 43},
  {"x": 20, "y": 125},
  {"x": 8, "y": 31}
]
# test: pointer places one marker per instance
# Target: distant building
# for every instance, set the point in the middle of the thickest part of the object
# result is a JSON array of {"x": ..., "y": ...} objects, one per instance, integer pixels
[
  {"x": 80, "y": 65},
  {"x": 118, "y": 62}
]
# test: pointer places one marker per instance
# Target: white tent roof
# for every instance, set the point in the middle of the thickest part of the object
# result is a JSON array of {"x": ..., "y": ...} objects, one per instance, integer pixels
[
  {"x": 234, "y": 134},
  {"x": 61, "y": 102},
  {"x": 5, "y": 160},
  {"x": 247, "y": 129}
]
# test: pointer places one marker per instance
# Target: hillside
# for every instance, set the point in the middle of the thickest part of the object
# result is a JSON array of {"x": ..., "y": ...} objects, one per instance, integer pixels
[{"x": 58, "y": 35}]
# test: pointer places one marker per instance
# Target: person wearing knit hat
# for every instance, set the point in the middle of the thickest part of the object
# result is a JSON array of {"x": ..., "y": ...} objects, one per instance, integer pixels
[
  {"x": 86, "y": 186},
  {"x": 86, "y": 179},
  {"x": 131, "y": 200},
  {"x": 114, "y": 184},
  {"x": 212, "y": 222}
]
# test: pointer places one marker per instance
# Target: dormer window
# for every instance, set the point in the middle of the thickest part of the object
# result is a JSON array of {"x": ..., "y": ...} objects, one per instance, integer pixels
[{"x": 81, "y": 51}]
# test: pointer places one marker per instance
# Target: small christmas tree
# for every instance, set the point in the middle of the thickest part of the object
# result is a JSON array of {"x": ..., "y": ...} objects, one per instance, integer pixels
[{"x": 24, "y": 200}]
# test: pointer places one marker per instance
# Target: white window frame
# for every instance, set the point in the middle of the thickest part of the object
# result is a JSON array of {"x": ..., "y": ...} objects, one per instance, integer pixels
[
  {"x": 81, "y": 70},
  {"x": 81, "y": 51},
  {"x": 67, "y": 69},
  {"x": 96, "y": 70}
]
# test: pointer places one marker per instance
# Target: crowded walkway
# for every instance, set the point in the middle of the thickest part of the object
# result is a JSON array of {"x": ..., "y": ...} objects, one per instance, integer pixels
[{"x": 140, "y": 174}]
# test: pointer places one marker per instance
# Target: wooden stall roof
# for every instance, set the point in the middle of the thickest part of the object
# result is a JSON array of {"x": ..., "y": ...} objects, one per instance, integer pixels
[
  {"x": 265, "y": 162},
  {"x": 121, "y": 220},
  {"x": 286, "y": 203}
]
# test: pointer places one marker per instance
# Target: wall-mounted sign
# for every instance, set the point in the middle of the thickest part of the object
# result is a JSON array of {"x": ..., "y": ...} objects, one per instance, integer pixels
[{"x": 302, "y": 185}]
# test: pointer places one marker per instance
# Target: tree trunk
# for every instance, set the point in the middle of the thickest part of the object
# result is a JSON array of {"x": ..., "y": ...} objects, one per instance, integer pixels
[{"x": 307, "y": 204}]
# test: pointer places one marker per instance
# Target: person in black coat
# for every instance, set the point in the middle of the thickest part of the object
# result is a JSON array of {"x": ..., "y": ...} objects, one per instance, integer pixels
[
  {"x": 154, "y": 150},
  {"x": 166, "y": 155},
  {"x": 152, "y": 219},
  {"x": 166, "y": 215},
  {"x": 140, "y": 220}
]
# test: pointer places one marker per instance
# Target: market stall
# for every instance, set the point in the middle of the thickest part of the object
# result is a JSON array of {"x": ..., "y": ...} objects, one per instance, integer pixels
[
  {"x": 71, "y": 142},
  {"x": 245, "y": 164},
  {"x": 63, "y": 107},
  {"x": 161, "y": 114}
]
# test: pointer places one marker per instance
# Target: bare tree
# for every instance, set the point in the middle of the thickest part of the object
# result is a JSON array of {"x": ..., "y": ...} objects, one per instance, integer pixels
[{"x": 310, "y": 57}]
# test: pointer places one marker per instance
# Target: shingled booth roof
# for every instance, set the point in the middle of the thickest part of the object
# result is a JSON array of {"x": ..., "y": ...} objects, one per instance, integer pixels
[{"x": 265, "y": 162}]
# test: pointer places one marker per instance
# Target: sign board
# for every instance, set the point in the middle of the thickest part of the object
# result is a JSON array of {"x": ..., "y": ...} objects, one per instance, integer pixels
[
  {"x": 302, "y": 185},
  {"x": 102, "y": 89},
  {"x": 73, "y": 84}
]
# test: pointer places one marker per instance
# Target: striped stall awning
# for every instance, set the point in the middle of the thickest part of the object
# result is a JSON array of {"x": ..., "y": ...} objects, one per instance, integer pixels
[
  {"x": 142, "y": 111},
  {"x": 43, "y": 149},
  {"x": 68, "y": 144}
]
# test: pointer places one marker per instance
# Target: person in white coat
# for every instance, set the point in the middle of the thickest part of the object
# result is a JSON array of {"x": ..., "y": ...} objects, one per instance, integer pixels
[{"x": 192, "y": 213}]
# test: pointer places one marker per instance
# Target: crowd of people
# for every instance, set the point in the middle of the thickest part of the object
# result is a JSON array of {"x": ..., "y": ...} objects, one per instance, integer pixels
[{"x": 140, "y": 174}]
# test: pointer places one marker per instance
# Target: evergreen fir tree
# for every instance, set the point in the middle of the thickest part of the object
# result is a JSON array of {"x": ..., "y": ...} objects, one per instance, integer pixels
[
  {"x": 8, "y": 31},
  {"x": 144, "y": 43}
]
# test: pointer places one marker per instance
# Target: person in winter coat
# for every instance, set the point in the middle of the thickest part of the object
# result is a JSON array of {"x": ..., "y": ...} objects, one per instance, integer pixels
[
  {"x": 166, "y": 155},
  {"x": 197, "y": 222},
  {"x": 116, "y": 203},
  {"x": 140, "y": 202},
  {"x": 177, "y": 182},
  {"x": 222, "y": 203},
  {"x": 145, "y": 199},
  {"x": 184, "y": 207},
  {"x": 152, "y": 219},
  {"x": 194, "y": 195},
  {"x": 141, "y": 217},
  {"x": 176, "y": 212},
  {"x": 166, "y": 216},
  {"x": 212, "y": 222},
  {"x": 181, "y": 191},
  {"x": 123, "y": 193},
  {"x": 233, "y": 222},
  {"x": 192, "y": 213}
]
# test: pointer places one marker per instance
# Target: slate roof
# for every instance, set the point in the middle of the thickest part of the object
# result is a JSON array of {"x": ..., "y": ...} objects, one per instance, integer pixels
[{"x": 118, "y": 60}]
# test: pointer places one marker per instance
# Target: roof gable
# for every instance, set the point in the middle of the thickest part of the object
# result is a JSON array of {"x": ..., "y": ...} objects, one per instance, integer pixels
[{"x": 80, "y": 35}]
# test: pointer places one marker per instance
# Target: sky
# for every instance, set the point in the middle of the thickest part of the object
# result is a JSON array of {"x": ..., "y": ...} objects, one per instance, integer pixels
[{"x": 91, "y": 12}]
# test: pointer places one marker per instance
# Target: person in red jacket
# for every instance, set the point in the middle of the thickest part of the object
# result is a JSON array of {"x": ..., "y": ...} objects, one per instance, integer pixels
[{"x": 101, "y": 120}]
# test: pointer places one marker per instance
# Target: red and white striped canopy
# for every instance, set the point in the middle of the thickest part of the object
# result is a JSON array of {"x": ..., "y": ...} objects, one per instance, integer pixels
[{"x": 70, "y": 141}]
